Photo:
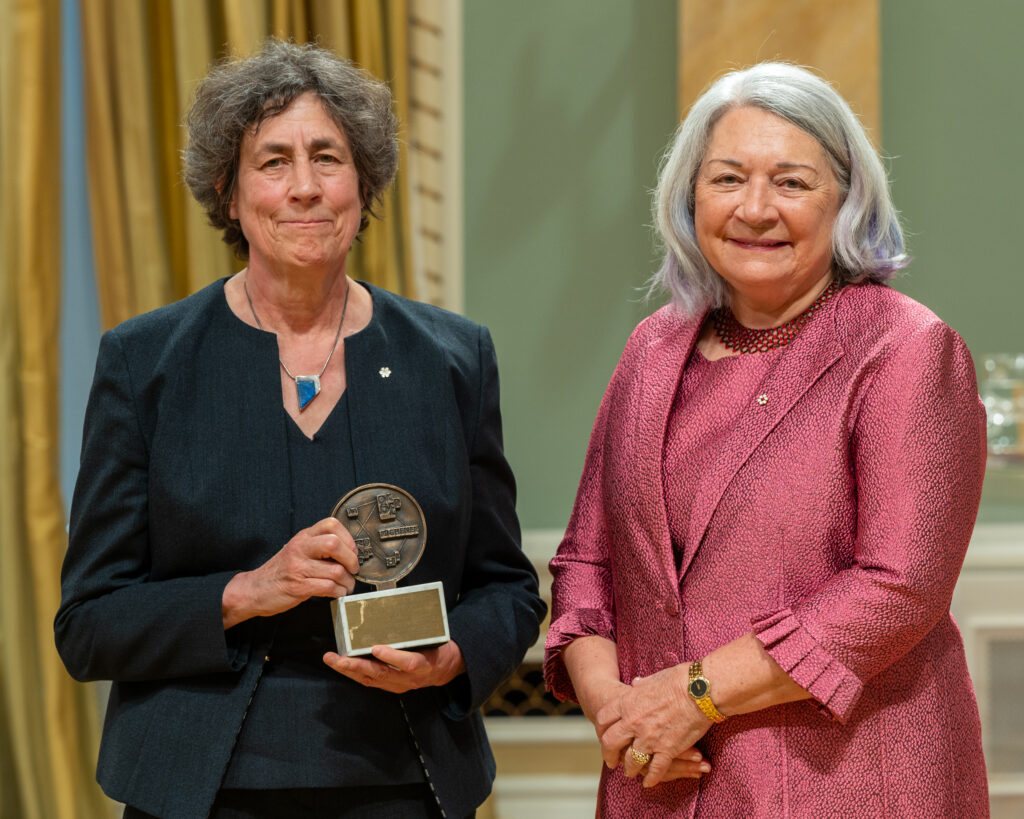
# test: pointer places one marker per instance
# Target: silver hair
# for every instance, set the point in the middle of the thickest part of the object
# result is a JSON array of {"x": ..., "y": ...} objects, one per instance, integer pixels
[
  {"x": 867, "y": 240},
  {"x": 237, "y": 95}
]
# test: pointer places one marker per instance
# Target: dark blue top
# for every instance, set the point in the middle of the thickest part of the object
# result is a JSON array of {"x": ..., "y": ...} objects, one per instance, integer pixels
[{"x": 348, "y": 737}]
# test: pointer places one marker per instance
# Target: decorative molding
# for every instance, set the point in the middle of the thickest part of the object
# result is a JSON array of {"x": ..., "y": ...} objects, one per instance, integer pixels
[
  {"x": 540, "y": 544},
  {"x": 434, "y": 134},
  {"x": 1002, "y": 785},
  {"x": 996, "y": 546},
  {"x": 532, "y": 730},
  {"x": 555, "y": 796},
  {"x": 454, "y": 290}
]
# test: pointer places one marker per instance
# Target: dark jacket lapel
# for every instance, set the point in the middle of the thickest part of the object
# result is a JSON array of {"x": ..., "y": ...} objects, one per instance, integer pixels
[
  {"x": 233, "y": 452},
  {"x": 391, "y": 380}
]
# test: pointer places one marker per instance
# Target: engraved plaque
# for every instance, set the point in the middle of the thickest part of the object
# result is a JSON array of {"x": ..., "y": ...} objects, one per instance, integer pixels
[
  {"x": 401, "y": 618},
  {"x": 390, "y": 533}
]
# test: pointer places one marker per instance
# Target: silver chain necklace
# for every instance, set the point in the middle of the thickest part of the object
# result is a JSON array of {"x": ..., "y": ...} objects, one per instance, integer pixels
[{"x": 307, "y": 387}]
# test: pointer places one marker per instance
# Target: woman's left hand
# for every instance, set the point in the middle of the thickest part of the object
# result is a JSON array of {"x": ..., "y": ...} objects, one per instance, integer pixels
[
  {"x": 658, "y": 717},
  {"x": 400, "y": 671}
]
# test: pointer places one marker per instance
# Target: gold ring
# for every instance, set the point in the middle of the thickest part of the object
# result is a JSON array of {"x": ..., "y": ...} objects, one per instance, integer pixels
[{"x": 639, "y": 757}]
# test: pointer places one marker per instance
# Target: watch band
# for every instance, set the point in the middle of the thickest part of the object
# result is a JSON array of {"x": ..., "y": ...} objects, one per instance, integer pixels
[{"x": 700, "y": 690}]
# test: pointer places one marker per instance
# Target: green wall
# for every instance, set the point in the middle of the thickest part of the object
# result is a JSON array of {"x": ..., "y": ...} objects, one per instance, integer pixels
[
  {"x": 568, "y": 105},
  {"x": 953, "y": 123}
]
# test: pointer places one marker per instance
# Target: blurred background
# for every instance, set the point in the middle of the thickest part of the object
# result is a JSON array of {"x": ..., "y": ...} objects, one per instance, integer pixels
[{"x": 531, "y": 137}]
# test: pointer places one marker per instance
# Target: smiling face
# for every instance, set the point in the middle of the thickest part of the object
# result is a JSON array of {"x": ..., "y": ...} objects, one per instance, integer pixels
[
  {"x": 765, "y": 203},
  {"x": 297, "y": 193}
]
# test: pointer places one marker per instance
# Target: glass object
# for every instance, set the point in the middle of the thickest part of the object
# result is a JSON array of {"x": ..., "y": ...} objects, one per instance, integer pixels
[
  {"x": 1002, "y": 390},
  {"x": 1001, "y": 384}
]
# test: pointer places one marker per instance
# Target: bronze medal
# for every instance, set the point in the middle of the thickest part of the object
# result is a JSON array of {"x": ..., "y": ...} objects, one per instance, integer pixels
[
  {"x": 390, "y": 534},
  {"x": 389, "y": 530}
]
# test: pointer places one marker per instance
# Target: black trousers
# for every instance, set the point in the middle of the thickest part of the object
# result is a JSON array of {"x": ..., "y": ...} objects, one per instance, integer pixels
[{"x": 391, "y": 802}]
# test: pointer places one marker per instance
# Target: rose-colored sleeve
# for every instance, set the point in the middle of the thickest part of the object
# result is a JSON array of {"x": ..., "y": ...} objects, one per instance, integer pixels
[
  {"x": 582, "y": 599},
  {"x": 918, "y": 448}
]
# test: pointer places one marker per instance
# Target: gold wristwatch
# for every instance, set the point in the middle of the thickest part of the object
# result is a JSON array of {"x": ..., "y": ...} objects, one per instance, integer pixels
[{"x": 700, "y": 689}]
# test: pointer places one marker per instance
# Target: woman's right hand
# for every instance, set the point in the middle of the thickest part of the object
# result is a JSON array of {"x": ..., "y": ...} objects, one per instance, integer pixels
[
  {"x": 690, "y": 764},
  {"x": 593, "y": 667},
  {"x": 319, "y": 561}
]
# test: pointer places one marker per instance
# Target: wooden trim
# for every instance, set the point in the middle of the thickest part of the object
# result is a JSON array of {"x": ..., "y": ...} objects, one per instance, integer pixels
[{"x": 840, "y": 41}]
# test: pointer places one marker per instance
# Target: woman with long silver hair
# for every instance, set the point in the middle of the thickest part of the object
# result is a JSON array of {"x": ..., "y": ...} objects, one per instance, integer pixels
[{"x": 751, "y": 602}]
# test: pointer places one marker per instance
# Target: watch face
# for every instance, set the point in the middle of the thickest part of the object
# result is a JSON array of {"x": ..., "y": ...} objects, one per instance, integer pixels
[{"x": 699, "y": 688}]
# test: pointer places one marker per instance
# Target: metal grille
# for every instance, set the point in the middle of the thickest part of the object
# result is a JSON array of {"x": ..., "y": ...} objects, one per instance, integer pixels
[{"x": 524, "y": 695}]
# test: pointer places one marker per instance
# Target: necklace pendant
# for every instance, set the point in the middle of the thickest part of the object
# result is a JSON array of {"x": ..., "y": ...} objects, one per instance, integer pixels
[{"x": 307, "y": 387}]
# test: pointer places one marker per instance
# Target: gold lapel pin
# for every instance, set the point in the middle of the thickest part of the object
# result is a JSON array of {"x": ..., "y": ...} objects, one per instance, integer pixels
[{"x": 384, "y": 372}]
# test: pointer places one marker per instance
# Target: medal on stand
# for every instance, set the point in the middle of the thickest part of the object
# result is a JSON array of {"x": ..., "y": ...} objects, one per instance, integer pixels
[{"x": 390, "y": 534}]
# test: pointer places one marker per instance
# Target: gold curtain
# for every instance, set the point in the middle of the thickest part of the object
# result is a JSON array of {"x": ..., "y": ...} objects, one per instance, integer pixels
[
  {"x": 47, "y": 722},
  {"x": 142, "y": 62},
  {"x": 142, "y": 59}
]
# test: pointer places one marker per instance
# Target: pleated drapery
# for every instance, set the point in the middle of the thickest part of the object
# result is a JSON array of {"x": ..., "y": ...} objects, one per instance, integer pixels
[
  {"x": 142, "y": 61},
  {"x": 47, "y": 722}
]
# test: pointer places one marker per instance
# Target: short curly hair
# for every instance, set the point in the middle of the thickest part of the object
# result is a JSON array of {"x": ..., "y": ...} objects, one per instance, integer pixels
[{"x": 237, "y": 95}]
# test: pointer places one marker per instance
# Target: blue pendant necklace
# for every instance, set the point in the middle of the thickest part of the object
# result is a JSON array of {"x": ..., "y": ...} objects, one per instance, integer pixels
[{"x": 307, "y": 387}]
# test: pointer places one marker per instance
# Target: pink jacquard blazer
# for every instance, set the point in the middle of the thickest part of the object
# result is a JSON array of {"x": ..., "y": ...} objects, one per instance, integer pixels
[{"x": 832, "y": 522}]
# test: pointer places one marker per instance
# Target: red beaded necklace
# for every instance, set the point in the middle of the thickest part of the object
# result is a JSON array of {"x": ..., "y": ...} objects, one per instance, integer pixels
[{"x": 745, "y": 340}]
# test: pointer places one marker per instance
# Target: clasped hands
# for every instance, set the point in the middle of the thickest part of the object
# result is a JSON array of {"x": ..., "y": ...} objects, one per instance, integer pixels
[
  {"x": 322, "y": 561},
  {"x": 655, "y": 715}
]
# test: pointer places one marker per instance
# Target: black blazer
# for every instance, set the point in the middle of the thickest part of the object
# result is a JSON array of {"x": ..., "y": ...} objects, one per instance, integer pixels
[{"x": 184, "y": 482}]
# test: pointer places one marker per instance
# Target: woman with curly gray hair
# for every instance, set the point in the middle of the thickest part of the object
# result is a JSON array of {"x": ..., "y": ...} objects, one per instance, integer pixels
[
  {"x": 221, "y": 432},
  {"x": 751, "y": 602}
]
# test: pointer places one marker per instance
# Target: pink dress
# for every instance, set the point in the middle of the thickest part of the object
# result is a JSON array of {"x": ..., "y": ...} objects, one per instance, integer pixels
[
  {"x": 825, "y": 503},
  {"x": 710, "y": 396}
]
